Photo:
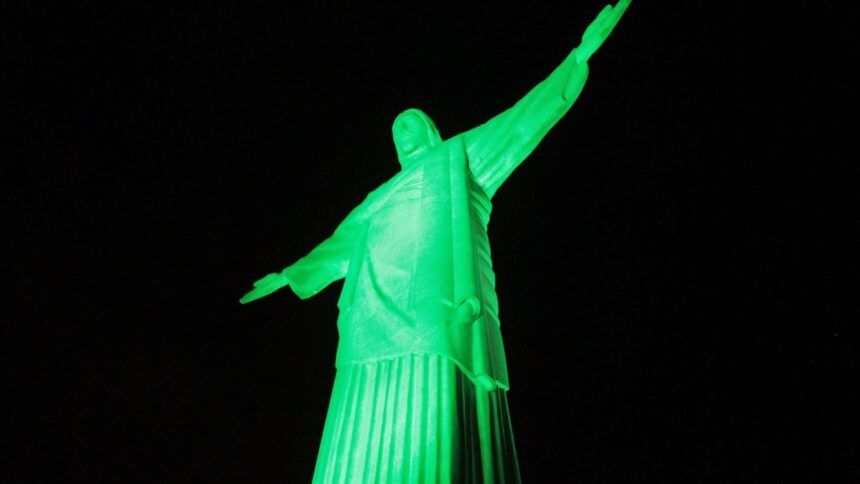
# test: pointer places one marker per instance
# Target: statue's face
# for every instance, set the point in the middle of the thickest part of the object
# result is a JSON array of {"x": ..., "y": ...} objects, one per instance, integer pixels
[{"x": 414, "y": 134}]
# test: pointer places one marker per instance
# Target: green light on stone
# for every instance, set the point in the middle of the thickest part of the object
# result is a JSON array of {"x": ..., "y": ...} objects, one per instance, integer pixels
[{"x": 419, "y": 394}]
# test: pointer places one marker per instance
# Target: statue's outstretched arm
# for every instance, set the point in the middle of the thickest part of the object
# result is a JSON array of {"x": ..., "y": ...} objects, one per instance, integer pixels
[
  {"x": 498, "y": 146},
  {"x": 326, "y": 263}
]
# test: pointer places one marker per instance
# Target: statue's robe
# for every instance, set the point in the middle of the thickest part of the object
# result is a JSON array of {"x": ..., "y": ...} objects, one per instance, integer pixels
[{"x": 415, "y": 254}]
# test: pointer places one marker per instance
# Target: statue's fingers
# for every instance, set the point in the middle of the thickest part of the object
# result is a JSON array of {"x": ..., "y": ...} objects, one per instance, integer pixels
[
  {"x": 268, "y": 279},
  {"x": 618, "y": 12},
  {"x": 600, "y": 22},
  {"x": 604, "y": 12},
  {"x": 258, "y": 292},
  {"x": 599, "y": 19},
  {"x": 610, "y": 24},
  {"x": 250, "y": 296}
]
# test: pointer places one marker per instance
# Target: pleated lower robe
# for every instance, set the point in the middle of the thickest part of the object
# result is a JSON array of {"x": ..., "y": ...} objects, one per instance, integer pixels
[{"x": 415, "y": 419}]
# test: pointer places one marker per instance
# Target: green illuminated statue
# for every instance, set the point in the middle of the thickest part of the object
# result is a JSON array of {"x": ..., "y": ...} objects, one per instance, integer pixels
[{"x": 419, "y": 394}]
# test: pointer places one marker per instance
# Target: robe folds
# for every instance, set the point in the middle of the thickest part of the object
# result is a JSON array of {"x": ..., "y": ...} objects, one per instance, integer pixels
[{"x": 415, "y": 254}]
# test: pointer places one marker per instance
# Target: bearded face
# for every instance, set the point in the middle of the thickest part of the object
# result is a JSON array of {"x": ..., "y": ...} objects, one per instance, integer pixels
[{"x": 414, "y": 133}]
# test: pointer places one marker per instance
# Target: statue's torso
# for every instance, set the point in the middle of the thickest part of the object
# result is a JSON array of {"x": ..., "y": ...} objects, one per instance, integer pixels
[{"x": 400, "y": 292}]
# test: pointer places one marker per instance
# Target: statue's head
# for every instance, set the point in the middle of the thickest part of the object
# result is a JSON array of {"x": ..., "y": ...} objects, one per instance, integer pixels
[{"x": 414, "y": 133}]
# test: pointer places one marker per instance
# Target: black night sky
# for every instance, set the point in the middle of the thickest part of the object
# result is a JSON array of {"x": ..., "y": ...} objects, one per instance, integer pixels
[{"x": 678, "y": 298}]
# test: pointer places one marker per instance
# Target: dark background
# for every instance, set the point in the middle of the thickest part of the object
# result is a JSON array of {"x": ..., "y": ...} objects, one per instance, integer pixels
[{"x": 674, "y": 265}]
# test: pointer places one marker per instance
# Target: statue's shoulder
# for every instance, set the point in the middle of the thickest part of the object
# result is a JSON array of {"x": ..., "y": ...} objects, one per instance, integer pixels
[{"x": 380, "y": 195}]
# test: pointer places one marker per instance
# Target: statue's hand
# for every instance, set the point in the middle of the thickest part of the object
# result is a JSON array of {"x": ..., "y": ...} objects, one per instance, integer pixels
[
  {"x": 599, "y": 30},
  {"x": 264, "y": 287}
]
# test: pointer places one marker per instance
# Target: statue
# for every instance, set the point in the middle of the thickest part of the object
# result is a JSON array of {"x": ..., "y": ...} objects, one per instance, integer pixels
[{"x": 420, "y": 388}]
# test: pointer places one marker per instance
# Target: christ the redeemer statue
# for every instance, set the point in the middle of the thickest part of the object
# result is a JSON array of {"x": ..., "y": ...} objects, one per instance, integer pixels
[{"x": 421, "y": 382}]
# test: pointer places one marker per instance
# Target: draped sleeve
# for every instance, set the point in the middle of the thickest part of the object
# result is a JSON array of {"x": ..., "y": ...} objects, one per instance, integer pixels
[
  {"x": 497, "y": 147},
  {"x": 329, "y": 261}
]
